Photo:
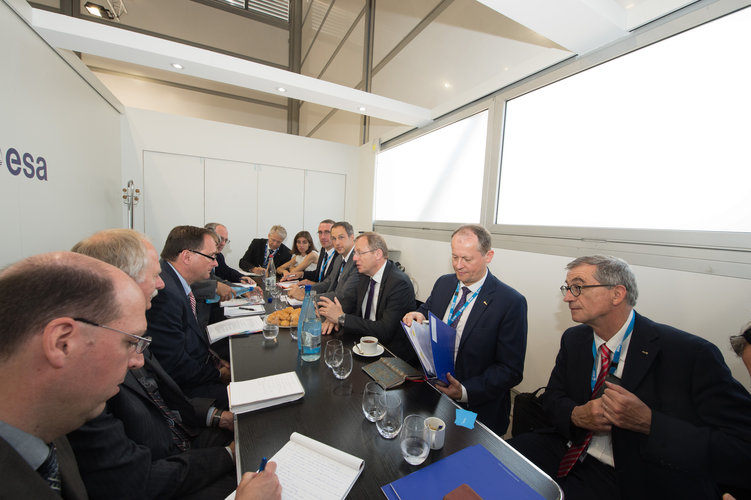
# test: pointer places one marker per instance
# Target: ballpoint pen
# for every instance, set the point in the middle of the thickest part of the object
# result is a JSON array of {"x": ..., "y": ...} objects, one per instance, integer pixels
[{"x": 263, "y": 464}]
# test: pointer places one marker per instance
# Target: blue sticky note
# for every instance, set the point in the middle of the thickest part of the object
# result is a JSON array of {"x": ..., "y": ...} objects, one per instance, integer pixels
[{"x": 465, "y": 418}]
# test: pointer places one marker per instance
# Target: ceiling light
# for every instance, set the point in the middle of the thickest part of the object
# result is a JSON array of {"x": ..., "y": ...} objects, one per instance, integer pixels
[
  {"x": 177, "y": 66},
  {"x": 446, "y": 85},
  {"x": 281, "y": 89},
  {"x": 361, "y": 108},
  {"x": 98, "y": 10}
]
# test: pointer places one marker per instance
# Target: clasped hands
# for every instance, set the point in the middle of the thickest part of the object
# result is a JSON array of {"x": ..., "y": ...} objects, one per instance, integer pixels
[{"x": 617, "y": 407}]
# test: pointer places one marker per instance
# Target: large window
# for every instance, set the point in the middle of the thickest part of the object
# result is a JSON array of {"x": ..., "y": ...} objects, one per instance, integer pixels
[
  {"x": 437, "y": 177},
  {"x": 655, "y": 139}
]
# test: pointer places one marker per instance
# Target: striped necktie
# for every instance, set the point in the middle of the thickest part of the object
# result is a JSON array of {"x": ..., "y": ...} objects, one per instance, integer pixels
[
  {"x": 576, "y": 451},
  {"x": 50, "y": 470}
]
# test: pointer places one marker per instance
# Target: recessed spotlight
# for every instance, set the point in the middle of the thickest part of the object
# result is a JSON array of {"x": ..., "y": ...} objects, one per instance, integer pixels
[
  {"x": 177, "y": 66},
  {"x": 446, "y": 85},
  {"x": 505, "y": 68},
  {"x": 361, "y": 108},
  {"x": 281, "y": 89}
]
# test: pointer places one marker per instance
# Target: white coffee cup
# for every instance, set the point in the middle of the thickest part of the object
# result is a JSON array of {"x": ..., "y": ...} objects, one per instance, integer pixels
[
  {"x": 368, "y": 345},
  {"x": 435, "y": 432}
]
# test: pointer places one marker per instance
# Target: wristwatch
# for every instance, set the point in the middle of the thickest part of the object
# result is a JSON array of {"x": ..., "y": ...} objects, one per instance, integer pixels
[{"x": 340, "y": 320}]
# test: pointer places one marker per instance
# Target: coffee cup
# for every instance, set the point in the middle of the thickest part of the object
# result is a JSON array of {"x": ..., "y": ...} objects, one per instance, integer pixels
[
  {"x": 435, "y": 432},
  {"x": 368, "y": 345}
]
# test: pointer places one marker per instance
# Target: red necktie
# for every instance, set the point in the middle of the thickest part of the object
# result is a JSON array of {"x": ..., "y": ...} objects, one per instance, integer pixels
[
  {"x": 573, "y": 453},
  {"x": 192, "y": 299}
]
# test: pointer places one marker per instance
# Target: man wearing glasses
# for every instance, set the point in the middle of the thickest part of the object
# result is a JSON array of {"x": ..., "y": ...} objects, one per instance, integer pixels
[
  {"x": 151, "y": 441},
  {"x": 180, "y": 343},
  {"x": 640, "y": 409},
  {"x": 325, "y": 258},
  {"x": 70, "y": 328},
  {"x": 261, "y": 250}
]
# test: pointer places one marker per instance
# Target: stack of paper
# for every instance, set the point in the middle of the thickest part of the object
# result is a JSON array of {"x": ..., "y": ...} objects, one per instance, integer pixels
[
  {"x": 250, "y": 395},
  {"x": 235, "y": 326}
]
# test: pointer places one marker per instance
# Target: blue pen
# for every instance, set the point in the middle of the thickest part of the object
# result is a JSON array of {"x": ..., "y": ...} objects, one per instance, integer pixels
[{"x": 263, "y": 464}]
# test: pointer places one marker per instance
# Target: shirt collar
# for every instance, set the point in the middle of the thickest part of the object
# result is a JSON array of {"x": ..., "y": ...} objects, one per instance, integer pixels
[
  {"x": 378, "y": 276},
  {"x": 32, "y": 449},
  {"x": 616, "y": 339},
  {"x": 186, "y": 286},
  {"x": 346, "y": 259},
  {"x": 477, "y": 284}
]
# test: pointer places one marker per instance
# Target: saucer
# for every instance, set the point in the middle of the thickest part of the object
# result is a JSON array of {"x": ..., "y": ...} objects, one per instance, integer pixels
[{"x": 356, "y": 350}]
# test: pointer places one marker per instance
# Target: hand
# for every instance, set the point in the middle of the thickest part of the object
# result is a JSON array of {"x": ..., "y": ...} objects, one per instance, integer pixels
[
  {"x": 289, "y": 276},
  {"x": 330, "y": 310},
  {"x": 305, "y": 282},
  {"x": 225, "y": 292},
  {"x": 246, "y": 279},
  {"x": 453, "y": 390},
  {"x": 225, "y": 375},
  {"x": 591, "y": 416},
  {"x": 728, "y": 496},
  {"x": 260, "y": 485},
  {"x": 623, "y": 409},
  {"x": 296, "y": 293},
  {"x": 413, "y": 316},
  {"x": 257, "y": 270},
  {"x": 327, "y": 327},
  {"x": 227, "y": 421}
]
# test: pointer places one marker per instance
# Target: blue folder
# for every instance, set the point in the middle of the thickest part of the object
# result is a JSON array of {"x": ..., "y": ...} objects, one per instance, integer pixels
[
  {"x": 442, "y": 340},
  {"x": 474, "y": 466}
]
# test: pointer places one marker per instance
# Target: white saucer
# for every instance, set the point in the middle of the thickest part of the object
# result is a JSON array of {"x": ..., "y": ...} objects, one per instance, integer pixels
[{"x": 356, "y": 350}]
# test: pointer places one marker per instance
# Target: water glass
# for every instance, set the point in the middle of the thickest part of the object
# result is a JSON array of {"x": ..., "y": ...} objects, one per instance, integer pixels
[
  {"x": 372, "y": 402},
  {"x": 413, "y": 443},
  {"x": 391, "y": 423},
  {"x": 270, "y": 330},
  {"x": 333, "y": 353},
  {"x": 343, "y": 369}
]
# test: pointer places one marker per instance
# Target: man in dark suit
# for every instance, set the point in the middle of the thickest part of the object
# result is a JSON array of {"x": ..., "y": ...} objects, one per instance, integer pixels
[
  {"x": 257, "y": 256},
  {"x": 490, "y": 319},
  {"x": 151, "y": 441},
  {"x": 222, "y": 270},
  {"x": 60, "y": 361},
  {"x": 640, "y": 409},
  {"x": 325, "y": 258},
  {"x": 180, "y": 344},
  {"x": 343, "y": 278},
  {"x": 384, "y": 295}
]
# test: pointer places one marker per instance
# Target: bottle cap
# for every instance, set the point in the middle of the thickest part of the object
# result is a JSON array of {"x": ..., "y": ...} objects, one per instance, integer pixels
[{"x": 308, "y": 287}]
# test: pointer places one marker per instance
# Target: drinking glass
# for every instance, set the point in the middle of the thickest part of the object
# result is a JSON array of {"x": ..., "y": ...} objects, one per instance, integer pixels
[
  {"x": 413, "y": 443},
  {"x": 372, "y": 402},
  {"x": 343, "y": 369},
  {"x": 270, "y": 330},
  {"x": 333, "y": 353},
  {"x": 391, "y": 423}
]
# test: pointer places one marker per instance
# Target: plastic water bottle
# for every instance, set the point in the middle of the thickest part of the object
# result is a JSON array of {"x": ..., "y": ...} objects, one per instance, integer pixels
[
  {"x": 269, "y": 281},
  {"x": 305, "y": 301},
  {"x": 311, "y": 332}
]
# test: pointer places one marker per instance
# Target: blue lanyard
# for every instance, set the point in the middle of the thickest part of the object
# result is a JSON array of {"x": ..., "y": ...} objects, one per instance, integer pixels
[
  {"x": 323, "y": 265},
  {"x": 268, "y": 253},
  {"x": 616, "y": 354},
  {"x": 453, "y": 316}
]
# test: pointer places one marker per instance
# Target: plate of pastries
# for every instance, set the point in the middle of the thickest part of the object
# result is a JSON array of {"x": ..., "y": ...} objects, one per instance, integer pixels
[{"x": 287, "y": 317}]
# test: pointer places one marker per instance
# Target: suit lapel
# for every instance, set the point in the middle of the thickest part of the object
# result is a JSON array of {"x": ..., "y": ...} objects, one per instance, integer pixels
[
  {"x": 642, "y": 351},
  {"x": 382, "y": 287},
  {"x": 188, "y": 310}
]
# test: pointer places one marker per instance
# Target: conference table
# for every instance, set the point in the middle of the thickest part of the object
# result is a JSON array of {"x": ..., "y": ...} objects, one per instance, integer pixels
[{"x": 331, "y": 412}]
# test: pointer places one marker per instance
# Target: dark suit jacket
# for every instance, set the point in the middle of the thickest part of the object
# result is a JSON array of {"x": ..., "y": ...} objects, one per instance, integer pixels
[
  {"x": 179, "y": 343},
  {"x": 490, "y": 360},
  {"x": 128, "y": 452},
  {"x": 340, "y": 285},
  {"x": 701, "y": 416},
  {"x": 20, "y": 481},
  {"x": 257, "y": 250},
  {"x": 223, "y": 271},
  {"x": 313, "y": 275},
  {"x": 396, "y": 297}
]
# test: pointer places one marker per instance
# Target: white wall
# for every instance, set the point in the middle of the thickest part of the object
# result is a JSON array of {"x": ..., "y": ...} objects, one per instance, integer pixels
[
  {"x": 152, "y": 131},
  {"x": 49, "y": 111}
]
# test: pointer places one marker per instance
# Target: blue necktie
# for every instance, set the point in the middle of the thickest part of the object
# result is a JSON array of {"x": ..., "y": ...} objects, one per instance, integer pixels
[
  {"x": 462, "y": 300},
  {"x": 50, "y": 470}
]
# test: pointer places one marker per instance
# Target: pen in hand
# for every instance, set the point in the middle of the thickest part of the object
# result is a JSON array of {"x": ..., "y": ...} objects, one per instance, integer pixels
[{"x": 263, "y": 464}]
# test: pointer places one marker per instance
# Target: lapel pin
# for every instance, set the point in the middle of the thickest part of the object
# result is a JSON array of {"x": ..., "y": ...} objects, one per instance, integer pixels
[
  {"x": 484, "y": 302},
  {"x": 644, "y": 352}
]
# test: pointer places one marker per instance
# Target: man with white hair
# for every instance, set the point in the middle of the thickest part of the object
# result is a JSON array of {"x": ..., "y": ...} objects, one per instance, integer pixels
[{"x": 256, "y": 258}]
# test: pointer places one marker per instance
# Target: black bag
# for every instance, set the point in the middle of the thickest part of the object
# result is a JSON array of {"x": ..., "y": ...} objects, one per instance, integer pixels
[{"x": 528, "y": 413}]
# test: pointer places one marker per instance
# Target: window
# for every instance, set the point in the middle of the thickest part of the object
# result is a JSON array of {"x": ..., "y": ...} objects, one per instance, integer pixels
[
  {"x": 655, "y": 139},
  {"x": 437, "y": 177}
]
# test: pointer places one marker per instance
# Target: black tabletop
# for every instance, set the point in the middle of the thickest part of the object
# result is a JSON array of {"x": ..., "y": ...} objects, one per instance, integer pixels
[{"x": 331, "y": 412}]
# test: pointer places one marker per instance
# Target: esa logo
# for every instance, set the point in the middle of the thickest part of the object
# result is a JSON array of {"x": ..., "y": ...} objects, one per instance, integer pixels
[{"x": 26, "y": 163}]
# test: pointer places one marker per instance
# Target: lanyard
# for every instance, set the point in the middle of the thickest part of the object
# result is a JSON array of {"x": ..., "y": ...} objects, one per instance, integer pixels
[
  {"x": 616, "y": 354},
  {"x": 453, "y": 316},
  {"x": 267, "y": 254},
  {"x": 323, "y": 265}
]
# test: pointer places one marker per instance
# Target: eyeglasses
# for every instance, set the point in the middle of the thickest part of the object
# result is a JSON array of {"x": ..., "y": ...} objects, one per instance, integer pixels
[
  {"x": 140, "y": 345},
  {"x": 224, "y": 240},
  {"x": 210, "y": 257},
  {"x": 739, "y": 342},
  {"x": 576, "y": 290},
  {"x": 363, "y": 253}
]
